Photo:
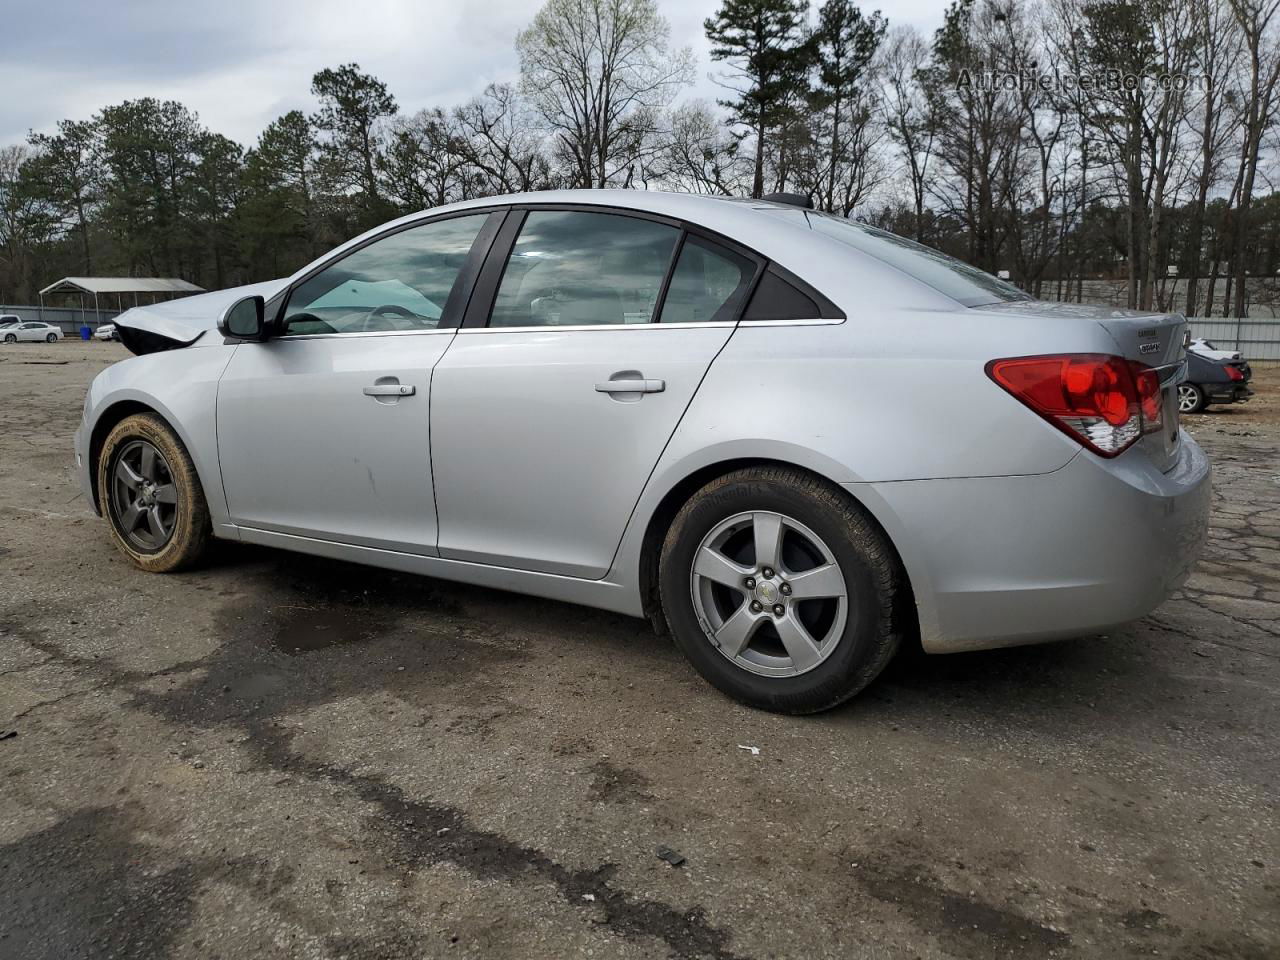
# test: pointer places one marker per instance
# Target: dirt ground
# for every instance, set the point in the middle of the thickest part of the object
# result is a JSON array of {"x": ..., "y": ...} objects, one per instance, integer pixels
[{"x": 276, "y": 756}]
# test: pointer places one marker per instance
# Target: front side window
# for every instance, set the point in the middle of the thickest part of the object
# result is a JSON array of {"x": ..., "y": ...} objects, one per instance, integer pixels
[
  {"x": 708, "y": 284},
  {"x": 956, "y": 279},
  {"x": 399, "y": 283},
  {"x": 572, "y": 268}
]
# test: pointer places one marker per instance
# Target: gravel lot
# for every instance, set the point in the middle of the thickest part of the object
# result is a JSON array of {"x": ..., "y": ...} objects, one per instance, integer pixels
[{"x": 281, "y": 757}]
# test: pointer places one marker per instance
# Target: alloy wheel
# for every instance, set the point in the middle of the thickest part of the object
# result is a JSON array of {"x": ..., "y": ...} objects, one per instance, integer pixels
[
  {"x": 144, "y": 498},
  {"x": 1188, "y": 399},
  {"x": 769, "y": 594}
]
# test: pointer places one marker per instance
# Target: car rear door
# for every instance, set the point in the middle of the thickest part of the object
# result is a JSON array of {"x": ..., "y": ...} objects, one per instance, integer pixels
[
  {"x": 586, "y": 339},
  {"x": 324, "y": 430}
]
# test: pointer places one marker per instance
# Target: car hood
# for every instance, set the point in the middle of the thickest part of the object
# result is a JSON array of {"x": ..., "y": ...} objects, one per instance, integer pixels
[{"x": 180, "y": 323}]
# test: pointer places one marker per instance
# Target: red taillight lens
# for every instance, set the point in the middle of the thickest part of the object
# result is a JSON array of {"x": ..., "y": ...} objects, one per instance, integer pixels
[
  {"x": 1234, "y": 373},
  {"x": 1098, "y": 400}
]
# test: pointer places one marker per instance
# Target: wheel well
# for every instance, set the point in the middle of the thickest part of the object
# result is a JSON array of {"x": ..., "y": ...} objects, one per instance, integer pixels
[
  {"x": 106, "y": 423},
  {"x": 678, "y": 496}
]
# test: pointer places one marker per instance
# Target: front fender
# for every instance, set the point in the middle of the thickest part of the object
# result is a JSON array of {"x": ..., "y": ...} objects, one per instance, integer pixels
[{"x": 182, "y": 387}]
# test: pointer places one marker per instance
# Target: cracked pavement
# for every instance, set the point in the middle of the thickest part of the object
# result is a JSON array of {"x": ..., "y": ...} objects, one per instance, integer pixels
[{"x": 277, "y": 756}]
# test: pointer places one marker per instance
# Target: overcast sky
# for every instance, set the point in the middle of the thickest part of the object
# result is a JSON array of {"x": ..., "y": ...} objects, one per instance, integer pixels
[{"x": 241, "y": 63}]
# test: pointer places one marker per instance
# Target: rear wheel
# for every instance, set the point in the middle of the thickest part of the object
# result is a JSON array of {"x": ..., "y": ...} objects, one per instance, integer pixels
[
  {"x": 780, "y": 590},
  {"x": 1190, "y": 398},
  {"x": 148, "y": 488},
  {"x": 51, "y": 338}
]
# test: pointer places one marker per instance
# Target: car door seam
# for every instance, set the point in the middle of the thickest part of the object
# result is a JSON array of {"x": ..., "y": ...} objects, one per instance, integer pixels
[{"x": 661, "y": 453}]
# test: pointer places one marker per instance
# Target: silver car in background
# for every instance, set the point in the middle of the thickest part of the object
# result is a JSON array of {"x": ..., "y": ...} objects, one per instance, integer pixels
[{"x": 789, "y": 439}]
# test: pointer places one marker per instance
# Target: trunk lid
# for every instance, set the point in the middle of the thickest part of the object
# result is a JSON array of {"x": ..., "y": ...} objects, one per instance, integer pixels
[{"x": 1156, "y": 340}]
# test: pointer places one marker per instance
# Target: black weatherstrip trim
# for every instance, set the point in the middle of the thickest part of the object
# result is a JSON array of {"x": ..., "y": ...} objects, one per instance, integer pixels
[
  {"x": 666, "y": 279},
  {"x": 495, "y": 263},
  {"x": 464, "y": 284}
]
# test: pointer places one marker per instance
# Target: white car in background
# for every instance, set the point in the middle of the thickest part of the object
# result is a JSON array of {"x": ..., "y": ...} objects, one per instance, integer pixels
[
  {"x": 106, "y": 331},
  {"x": 31, "y": 330},
  {"x": 1207, "y": 350}
]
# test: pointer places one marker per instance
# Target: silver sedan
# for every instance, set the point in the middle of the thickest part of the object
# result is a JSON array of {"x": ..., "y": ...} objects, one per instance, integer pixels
[{"x": 793, "y": 441}]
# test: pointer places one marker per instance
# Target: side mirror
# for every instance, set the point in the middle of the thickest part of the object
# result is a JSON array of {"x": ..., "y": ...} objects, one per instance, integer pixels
[{"x": 244, "y": 319}]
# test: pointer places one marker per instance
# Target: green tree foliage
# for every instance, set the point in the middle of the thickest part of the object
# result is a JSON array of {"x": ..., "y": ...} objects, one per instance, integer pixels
[
  {"x": 766, "y": 45},
  {"x": 353, "y": 106}
]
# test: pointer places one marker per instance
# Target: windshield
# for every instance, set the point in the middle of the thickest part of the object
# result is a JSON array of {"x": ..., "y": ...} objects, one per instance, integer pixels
[{"x": 954, "y": 278}]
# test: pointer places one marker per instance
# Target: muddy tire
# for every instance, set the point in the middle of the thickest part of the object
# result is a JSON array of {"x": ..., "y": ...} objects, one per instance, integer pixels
[
  {"x": 781, "y": 590},
  {"x": 151, "y": 496}
]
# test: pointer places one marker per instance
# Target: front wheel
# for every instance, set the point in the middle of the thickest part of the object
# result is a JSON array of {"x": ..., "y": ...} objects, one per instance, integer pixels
[
  {"x": 10, "y": 338},
  {"x": 151, "y": 495},
  {"x": 1190, "y": 398},
  {"x": 780, "y": 590},
  {"x": 51, "y": 338}
]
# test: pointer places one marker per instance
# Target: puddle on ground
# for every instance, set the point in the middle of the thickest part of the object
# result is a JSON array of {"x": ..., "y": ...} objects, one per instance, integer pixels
[{"x": 303, "y": 629}]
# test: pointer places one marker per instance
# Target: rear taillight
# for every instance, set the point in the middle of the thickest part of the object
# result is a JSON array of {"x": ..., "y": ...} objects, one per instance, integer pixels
[
  {"x": 1234, "y": 373},
  {"x": 1103, "y": 402}
]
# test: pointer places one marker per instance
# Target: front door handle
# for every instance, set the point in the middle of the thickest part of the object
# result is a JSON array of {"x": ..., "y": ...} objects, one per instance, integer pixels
[
  {"x": 631, "y": 386},
  {"x": 390, "y": 390}
]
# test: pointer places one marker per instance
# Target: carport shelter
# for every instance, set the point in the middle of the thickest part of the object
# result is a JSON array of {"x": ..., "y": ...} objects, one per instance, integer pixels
[{"x": 121, "y": 287}]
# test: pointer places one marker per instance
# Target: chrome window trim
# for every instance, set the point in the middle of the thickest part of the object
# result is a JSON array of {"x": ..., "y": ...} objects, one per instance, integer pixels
[
  {"x": 362, "y": 333},
  {"x": 584, "y": 327},
  {"x": 814, "y": 322}
]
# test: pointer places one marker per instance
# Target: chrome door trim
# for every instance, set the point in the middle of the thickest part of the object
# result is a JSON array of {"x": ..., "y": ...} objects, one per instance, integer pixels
[
  {"x": 814, "y": 322},
  {"x": 288, "y": 337},
  {"x": 585, "y": 327}
]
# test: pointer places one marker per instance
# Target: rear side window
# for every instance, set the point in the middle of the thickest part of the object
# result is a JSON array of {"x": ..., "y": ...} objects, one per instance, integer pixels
[
  {"x": 708, "y": 285},
  {"x": 573, "y": 268},
  {"x": 965, "y": 284}
]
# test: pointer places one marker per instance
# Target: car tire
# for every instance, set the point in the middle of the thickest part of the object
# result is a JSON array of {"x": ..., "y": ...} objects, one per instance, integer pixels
[
  {"x": 821, "y": 525},
  {"x": 177, "y": 534},
  {"x": 51, "y": 338},
  {"x": 1190, "y": 398},
  {"x": 10, "y": 338}
]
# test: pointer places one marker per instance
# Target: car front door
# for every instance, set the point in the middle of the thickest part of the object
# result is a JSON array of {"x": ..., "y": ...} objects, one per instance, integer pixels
[
  {"x": 554, "y": 402},
  {"x": 324, "y": 429}
]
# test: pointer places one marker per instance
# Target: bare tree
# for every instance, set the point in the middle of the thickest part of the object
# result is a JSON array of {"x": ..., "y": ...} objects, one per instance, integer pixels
[
  {"x": 1257, "y": 19},
  {"x": 598, "y": 71},
  {"x": 501, "y": 143},
  {"x": 700, "y": 155},
  {"x": 906, "y": 111}
]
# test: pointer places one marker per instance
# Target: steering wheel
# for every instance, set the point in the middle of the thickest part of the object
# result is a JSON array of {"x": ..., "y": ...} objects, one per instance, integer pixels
[{"x": 387, "y": 309}]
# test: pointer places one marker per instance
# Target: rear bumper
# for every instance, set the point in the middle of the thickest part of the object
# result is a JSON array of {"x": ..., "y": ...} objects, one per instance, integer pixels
[
  {"x": 1234, "y": 392},
  {"x": 1001, "y": 561}
]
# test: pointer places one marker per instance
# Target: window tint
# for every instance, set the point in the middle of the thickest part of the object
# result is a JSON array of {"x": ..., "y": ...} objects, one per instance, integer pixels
[
  {"x": 776, "y": 299},
  {"x": 569, "y": 268},
  {"x": 957, "y": 280},
  {"x": 401, "y": 282},
  {"x": 708, "y": 284}
]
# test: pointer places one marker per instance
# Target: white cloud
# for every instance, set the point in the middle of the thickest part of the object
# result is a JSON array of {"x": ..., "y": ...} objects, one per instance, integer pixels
[{"x": 241, "y": 63}]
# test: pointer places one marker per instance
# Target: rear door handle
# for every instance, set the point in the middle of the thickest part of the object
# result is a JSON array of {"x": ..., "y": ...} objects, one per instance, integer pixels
[
  {"x": 390, "y": 390},
  {"x": 631, "y": 386}
]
